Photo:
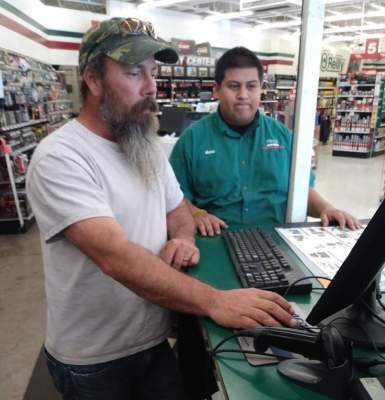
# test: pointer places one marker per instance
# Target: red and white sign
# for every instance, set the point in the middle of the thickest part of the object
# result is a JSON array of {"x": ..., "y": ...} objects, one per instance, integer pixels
[{"x": 371, "y": 49}]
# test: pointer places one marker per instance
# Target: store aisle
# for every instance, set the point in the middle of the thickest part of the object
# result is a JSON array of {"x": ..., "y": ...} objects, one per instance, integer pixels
[
  {"x": 349, "y": 183},
  {"x": 22, "y": 311},
  {"x": 352, "y": 184}
]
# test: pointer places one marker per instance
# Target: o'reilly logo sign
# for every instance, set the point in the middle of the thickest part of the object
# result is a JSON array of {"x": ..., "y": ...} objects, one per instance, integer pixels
[{"x": 331, "y": 62}]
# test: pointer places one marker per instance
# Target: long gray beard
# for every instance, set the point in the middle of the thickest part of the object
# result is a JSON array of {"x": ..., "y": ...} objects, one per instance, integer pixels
[{"x": 136, "y": 134}]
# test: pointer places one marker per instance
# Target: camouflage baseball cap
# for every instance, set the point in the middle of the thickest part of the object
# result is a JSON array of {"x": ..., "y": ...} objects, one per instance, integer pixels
[{"x": 127, "y": 40}]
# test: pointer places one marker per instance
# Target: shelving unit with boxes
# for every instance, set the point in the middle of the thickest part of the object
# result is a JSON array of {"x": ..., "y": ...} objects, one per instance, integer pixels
[
  {"x": 33, "y": 102},
  {"x": 355, "y": 130},
  {"x": 326, "y": 106},
  {"x": 379, "y": 137},
  {"x": 184, "y": 84},
  {"x": 269, "y": 96}
]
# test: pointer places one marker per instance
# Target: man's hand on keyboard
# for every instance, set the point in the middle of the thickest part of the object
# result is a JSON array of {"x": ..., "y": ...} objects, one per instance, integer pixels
[{"x": 249, "y": 308}]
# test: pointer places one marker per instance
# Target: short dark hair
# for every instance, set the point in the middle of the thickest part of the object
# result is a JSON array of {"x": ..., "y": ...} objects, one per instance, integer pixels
[
  {"x": 237, "y": 57},
  {"x": 98, "y": 66}
]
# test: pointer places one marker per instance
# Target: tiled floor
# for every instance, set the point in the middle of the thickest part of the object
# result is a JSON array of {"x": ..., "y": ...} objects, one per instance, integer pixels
[{"x": 349, "y": 183}]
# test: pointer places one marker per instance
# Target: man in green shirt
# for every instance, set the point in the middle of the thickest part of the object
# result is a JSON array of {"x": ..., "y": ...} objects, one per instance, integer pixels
[{"x": 233, "y": 165}]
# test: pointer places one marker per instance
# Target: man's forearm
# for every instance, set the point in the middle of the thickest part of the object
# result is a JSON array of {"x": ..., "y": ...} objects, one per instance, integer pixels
[
  {"x": 103, "y": 240},
  {"x": 180, "y": 223},
  {"x": 316, "y": 204}
]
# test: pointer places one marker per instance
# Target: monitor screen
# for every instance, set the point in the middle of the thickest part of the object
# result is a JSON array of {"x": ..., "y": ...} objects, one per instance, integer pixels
[
  {"x": 192, "y": 117},
  {"x": 172, "y": 120},
  {"x": 350, "y": 302}
]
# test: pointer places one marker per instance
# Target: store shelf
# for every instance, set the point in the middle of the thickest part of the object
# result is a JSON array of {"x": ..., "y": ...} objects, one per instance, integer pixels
[
  {"x": 327, "y": 87},
  {"x": 23, "y": 125},
  {"x": 15, "y": 211},
  {"x": 353, "y": 132},
  {"x": 343, "y": 84},
  {"x": 24, "y": 149},
  {"x": 355, "y": 95},
  {"x": 59, "y": 101},
  {"x": 354, "y": 111},
  {"x": 27, "y": 218},
  {"x": 68, "y": 111},
  {"x": 18, "y": 180},
  {"x": 346, "y": 153}
]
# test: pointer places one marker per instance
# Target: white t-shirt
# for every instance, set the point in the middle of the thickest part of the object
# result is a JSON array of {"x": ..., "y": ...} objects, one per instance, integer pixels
[{"x": 75, "y": 174}]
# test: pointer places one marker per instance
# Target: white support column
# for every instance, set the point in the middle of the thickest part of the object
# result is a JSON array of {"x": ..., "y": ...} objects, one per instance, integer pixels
[{"x": 305, "y": 108}]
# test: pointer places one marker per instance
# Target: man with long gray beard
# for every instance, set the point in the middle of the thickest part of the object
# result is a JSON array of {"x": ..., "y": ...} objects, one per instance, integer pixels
[{"x": 116, "y": 232}]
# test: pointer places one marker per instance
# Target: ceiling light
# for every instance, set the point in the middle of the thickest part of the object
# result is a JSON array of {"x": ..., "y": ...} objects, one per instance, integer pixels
[
  {"x": 278, "y": 25},
  {"x": 231, "y": 15},
  {"x": 158, "y": 3},
  {"x": 267, "y": 6},
  {"x": 342, "y": 29},
  {"x": 337, "y": 1},
  {"x": 377, "y": 7},
  {"x": 346, "y": 17},
  {"x": 340, "y": 38}
]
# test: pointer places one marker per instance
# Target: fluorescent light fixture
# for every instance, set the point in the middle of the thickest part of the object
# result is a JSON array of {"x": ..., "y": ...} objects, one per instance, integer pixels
[
  {"x": 158, "y": 3},
  {"x": 346, "y": 17},
  {"x": 346, "y": 38},
  {"x": 377, "y": 7},
  {"x": 340, "y": 38},
  {"x": 278, "y": 25},
  {"x": 267, "y": 5},
  {"x": 337, "y": 1},
  {"x": 342, "y": 29},
  {"x": 231, "y": 15}
]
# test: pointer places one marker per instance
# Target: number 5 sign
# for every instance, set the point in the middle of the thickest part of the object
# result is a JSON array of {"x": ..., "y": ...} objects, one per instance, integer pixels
[{"x": 371, "y": 49}]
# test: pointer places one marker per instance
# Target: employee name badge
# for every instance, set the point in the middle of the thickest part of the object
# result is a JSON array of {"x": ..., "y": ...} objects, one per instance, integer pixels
[{"x": 272, "y": 144}]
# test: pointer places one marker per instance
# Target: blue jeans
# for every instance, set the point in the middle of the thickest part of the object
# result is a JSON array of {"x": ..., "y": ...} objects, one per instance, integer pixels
[{"x": 149, "y": 375}]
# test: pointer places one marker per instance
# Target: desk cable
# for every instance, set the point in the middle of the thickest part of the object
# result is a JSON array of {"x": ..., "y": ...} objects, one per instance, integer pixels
[
  {"x": 364, "y": 363},
  {"x": 242, "y": 333},
  {"x": 304, "y": 278}
]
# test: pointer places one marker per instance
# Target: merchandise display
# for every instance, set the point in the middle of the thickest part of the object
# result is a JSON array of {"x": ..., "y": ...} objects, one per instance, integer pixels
[
  {"x": 359, "y": 108},
  {"x": 182, "y": 83},
  {"x": 33, "y": 103}
]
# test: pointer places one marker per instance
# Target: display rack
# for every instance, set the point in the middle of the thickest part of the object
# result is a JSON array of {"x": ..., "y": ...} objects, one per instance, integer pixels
[
  {"x": 33, "y": 102},
  {"x": 326, "y": 105},
  {"x": 355, "y": 131},
  {"x": 188, "y": 90}
]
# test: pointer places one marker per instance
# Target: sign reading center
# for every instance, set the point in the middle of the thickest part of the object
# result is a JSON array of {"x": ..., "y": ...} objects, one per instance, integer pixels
[{"x": 331, "y": 62}]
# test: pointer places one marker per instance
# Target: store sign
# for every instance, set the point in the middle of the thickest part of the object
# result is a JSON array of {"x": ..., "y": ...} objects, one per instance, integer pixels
[
  {"x": 184, "y": 46},
  {"x": 370, "y": 49},
  {"x": 331, "y": 62},
  {"x": 197, "y": 61},
  {"x": 203, "y": 49}
]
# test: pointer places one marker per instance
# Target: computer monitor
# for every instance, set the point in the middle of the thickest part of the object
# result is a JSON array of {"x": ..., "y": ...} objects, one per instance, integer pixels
[
  {"x": 350, "y": 303},
  {"x": 192, "y": 117},
  {"x": 172, "y": 120}
]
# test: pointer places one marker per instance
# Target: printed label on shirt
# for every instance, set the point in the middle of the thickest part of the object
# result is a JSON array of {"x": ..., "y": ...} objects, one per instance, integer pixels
[
  {"x": 209, "y": 152},
  {"x": 272, "y": 144}
]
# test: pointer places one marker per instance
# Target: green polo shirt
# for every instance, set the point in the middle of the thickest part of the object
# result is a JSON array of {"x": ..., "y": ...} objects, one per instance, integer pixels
[{"x": 240, "y": 178}]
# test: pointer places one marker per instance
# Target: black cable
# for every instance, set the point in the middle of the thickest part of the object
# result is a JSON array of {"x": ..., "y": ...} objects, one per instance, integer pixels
[
  {"x": 302, "y": 279},
  {"x": 244, "y": 333},
  {"x": 371, "y": 312},
  {"x": 250, "y": 352},
  {"x": 375, "y": 348},
  {"x": 381, "y": 304}
]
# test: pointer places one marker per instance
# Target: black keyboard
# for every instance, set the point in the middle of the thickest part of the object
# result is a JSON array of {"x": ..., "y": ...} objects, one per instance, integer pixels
[{"x": 261, "y": 264}]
